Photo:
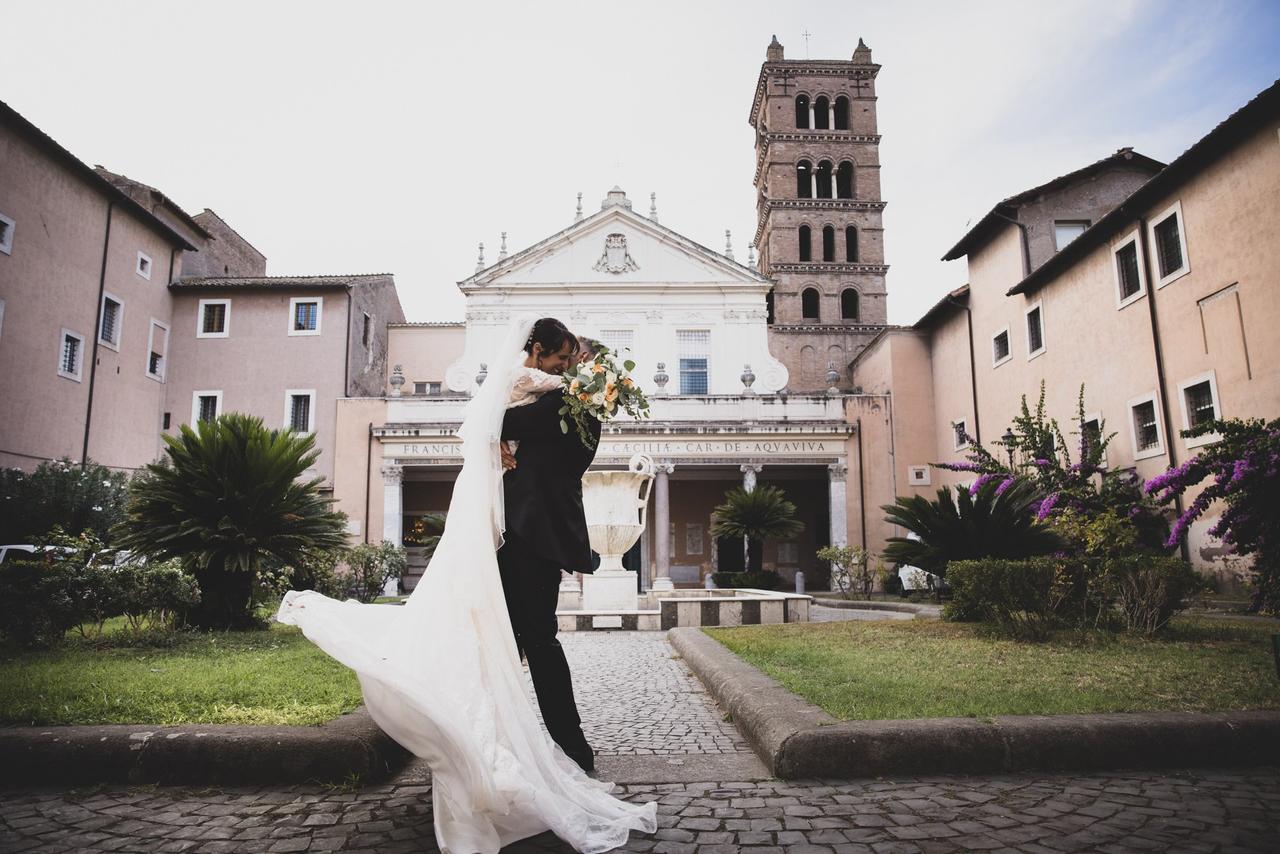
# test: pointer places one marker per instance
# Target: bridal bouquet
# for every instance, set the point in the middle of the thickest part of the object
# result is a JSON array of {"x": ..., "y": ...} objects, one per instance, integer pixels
[{"x": 600, "y": 389}]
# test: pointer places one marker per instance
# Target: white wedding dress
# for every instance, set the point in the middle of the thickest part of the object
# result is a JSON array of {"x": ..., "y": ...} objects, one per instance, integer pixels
[{"x": 441, "y": 674}]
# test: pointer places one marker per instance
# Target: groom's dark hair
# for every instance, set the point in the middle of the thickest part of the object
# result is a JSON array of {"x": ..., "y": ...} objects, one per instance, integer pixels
[{"x": 551, "y": 334}]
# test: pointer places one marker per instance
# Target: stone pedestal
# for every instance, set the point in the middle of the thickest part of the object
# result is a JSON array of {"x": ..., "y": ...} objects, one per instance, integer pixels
[{"x": 609, "y": 591}]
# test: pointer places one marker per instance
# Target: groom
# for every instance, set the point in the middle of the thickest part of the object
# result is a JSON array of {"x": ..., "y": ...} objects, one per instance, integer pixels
[{"x": 546, "y": 531}]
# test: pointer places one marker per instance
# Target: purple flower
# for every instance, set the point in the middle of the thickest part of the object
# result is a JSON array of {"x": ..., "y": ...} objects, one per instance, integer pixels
[
  {"x": 1184, "y": 521},
  {"x": 1041, "y": 463},
  {"x": 1008, "y": 482},
  {"x": 1046, "y": 506},
  {"x": 974, "y": 467},
  {"x": 981, "y": 482}
]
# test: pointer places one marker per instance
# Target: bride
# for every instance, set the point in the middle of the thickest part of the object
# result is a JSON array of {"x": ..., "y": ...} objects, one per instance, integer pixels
[{"x": 441, "y": 674}]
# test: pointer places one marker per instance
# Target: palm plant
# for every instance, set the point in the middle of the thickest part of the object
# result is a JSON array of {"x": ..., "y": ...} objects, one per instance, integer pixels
[
  {"x": 998, "y": 520},
  {"x": 226, "y": 498},
  {"x": 756, "y": 514}
]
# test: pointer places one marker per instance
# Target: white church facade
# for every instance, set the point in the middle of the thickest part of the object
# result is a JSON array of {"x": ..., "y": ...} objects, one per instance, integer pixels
[{"x": 693, "y": 320}]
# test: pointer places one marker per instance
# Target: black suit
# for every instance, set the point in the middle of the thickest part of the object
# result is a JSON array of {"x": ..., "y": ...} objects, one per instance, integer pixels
[{"x": 546, "y": 532}]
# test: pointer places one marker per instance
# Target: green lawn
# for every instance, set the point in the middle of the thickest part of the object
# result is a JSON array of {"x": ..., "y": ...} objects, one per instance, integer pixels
[
  {"x": 273, "y": 676},
  {"x": 926, "y": 669}
]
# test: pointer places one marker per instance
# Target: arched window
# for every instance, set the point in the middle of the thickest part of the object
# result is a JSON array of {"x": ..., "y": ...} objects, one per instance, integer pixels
[
  {"x": 825, "y": 186},
  {"x": 809, "y": 304},
  {"x": 850, "y": 244},
  {"x": 806, "y": 244},
  {"x": 828, "y": 243},
  {"x": 848, "y": 304},
  {"x": 844, "y": 180},
  {"x": 821, "y": 113},
  {"x": 841, "y": 113},
  {"x": 804, "y": 180},
  {"x": 802, "y": 111}
]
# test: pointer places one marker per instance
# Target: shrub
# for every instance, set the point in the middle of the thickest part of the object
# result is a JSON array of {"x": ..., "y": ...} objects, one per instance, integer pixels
[
  {"x": 765, "y": 579},
  {"x": 996, "y": 520},
  {"x": 372, "y": 566},
  {"x": 153, "y": 596},
  {"x": 317, "y": 569},
  {"x": 37, "y": 605},
  {"x": 1018, "y": 596},
  {"x": 1152, "y": 589},
  {"x": 853, "y": 571},
  {"x": 60, "y": 493}
]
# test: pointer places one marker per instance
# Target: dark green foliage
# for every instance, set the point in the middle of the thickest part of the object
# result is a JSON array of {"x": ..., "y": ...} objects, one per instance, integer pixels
[
  {"x": 371, "y": 566},
  {"x": 1015, "y": 595},
  {"x": 757, "y": 515},
  {"x": 73, "y": 497},
  {"x": 227, "y": 498},
  {"x": 955, "y": 527},
  {"x": 36, "y": 602}
]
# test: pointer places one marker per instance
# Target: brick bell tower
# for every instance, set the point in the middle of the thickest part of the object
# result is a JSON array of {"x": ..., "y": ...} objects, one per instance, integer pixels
[{"x": 819, "y": 226}]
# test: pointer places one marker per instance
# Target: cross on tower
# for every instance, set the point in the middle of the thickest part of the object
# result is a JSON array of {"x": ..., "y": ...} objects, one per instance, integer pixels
[
  {"x": 784, "y": 80},
  {"x": 860, "y": 84},
  {"x": 806, "y": 35}
]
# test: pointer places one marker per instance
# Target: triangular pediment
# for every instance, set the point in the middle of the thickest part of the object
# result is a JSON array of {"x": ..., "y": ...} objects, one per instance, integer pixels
[{"x": 614, "y": 246}]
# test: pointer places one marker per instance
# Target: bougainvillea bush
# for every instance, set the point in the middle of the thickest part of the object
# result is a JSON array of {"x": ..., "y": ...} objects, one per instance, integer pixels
[
  {"x": 1244, "y": 468},
  {"x": 1068, "y": 482}
]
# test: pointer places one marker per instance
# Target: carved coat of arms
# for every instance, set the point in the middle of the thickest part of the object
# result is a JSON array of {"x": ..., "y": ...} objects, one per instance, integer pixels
[{"x": 616, "y": 258}]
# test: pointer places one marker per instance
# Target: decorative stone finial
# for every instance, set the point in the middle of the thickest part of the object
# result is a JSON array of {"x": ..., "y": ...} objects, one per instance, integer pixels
[
  {"x": 483, "y": 375},
  {"x": 577, "y": 217},
  {"x": 502, "y": 251},
  {"x": 660, "y": 379},
  {"x": 748, "y": 377},
  {"x": 397, "y": 380},
  {"x": 833, "y": 377},
  {"x": 616, "y": 197},
  {"x": 862, "y": 53},
  {"x": 653, "y": 206},
  {"x": 773, "y": 53},
  {"x": 751, "y": 256},
  {"x": 728, "y": 245},
  {"x": 480, "y": 259}
]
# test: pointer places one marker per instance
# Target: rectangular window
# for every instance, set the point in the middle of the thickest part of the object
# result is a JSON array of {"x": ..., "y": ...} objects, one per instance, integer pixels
[
  {"x": 165, "y": 421},
  {"x": 433, "y": 388},
  {"x": 6, "y": 234},
  {"x": 1093, "y": 437},
  {"x": 305, "y": 315},
  {"x": 157, "y": 347},
  {"x": 1000, "y": 347},
  {"x": 789, "y": 552},
  {"x": 71, "y": 355},
  {"x": 1127, "y": 271},
  {"x": 110, "y": 321},
  {"x": 1035, "y": 331},
  {"x": 214, "y": 318},
  {"x": 419, "y": 388},
  {"x": 368, "y": 326},
  {"x": 1199, "y": 400},
  {"x": 205, "y": 405},
  {"x": 694, "y": 350},
  {"x": 1169, "y": 244},
  {"x": 300, "y": 407},
  {"x": 1067, "y": 230},
  {"x": 1146, "y": 428},
  {"x": 617, "y": 340},
  {"x": 960, "y": 431},
  {"x": 693, "y": 539},
  {"x": 144, "y": 265}
]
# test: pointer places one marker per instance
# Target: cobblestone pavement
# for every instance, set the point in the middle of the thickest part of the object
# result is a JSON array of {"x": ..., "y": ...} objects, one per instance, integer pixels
[
  {"x": 1193, "y": 811},
  {"x": 823, "y": 614},
  {"x": 636, "y": 697}
]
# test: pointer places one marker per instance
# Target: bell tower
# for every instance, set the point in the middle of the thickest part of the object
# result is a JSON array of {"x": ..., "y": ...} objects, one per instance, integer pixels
[{"x": 819, "y": 215}]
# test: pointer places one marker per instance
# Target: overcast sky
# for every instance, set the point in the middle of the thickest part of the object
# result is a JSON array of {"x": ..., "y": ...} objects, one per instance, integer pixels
[{"x": 394, "y": 137}]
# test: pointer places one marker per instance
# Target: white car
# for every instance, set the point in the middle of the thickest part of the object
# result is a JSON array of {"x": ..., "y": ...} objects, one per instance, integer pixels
[{"x": 23, "y": 549}]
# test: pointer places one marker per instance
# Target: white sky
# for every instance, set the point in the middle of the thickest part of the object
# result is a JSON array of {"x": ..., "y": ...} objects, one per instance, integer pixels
[{"x": 393, "y": 137}]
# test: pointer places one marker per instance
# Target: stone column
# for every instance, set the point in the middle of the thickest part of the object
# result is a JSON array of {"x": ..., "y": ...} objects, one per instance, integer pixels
[
  {"x": 813, "y": 182},
  {"x": 392, "y": 514},
  {"x": 813, "y": 124},
  {"x": 662, "y": 525},
  {"x": 839, "y": 510}
]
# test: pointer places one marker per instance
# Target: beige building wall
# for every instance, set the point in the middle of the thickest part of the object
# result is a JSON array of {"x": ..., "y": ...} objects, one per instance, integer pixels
[
  {"x": 424, "y": 351},
  {"x": 357, "y": 475}
]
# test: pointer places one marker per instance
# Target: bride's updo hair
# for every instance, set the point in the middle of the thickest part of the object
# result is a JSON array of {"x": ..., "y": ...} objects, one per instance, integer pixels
[{"x": 552, "y": 335}]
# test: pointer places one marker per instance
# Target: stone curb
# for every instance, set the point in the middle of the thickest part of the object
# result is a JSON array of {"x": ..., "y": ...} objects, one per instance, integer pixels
[
  {"x": 796, "y": 739},
  {"x": 351, "y": 746},
  {"x": 861, "y": 605}
]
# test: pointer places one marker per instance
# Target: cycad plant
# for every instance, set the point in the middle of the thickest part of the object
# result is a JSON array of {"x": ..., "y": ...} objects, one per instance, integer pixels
[
  {"x": 756, "y": 514},
  {"x": 998, "y": 520},
  {"x": 227, "y": 497}
]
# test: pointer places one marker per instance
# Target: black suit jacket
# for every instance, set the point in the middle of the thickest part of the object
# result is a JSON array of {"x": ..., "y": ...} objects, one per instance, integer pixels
[{"x": 543, "y": 494}]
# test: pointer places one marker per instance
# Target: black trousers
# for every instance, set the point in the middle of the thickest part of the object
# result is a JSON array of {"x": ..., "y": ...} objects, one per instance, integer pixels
[{"x": 531, "y": 585}]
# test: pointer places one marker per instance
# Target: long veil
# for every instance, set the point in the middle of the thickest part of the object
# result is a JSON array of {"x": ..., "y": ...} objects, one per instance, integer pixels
[{"x": 441, "y": 674}]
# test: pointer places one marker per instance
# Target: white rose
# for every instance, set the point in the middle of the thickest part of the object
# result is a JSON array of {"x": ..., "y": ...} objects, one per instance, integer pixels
[{"x": 597, "y": 399}]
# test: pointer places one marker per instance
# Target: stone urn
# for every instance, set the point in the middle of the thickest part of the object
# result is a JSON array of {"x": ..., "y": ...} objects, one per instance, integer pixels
[{"x": 615, "y": 503}]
